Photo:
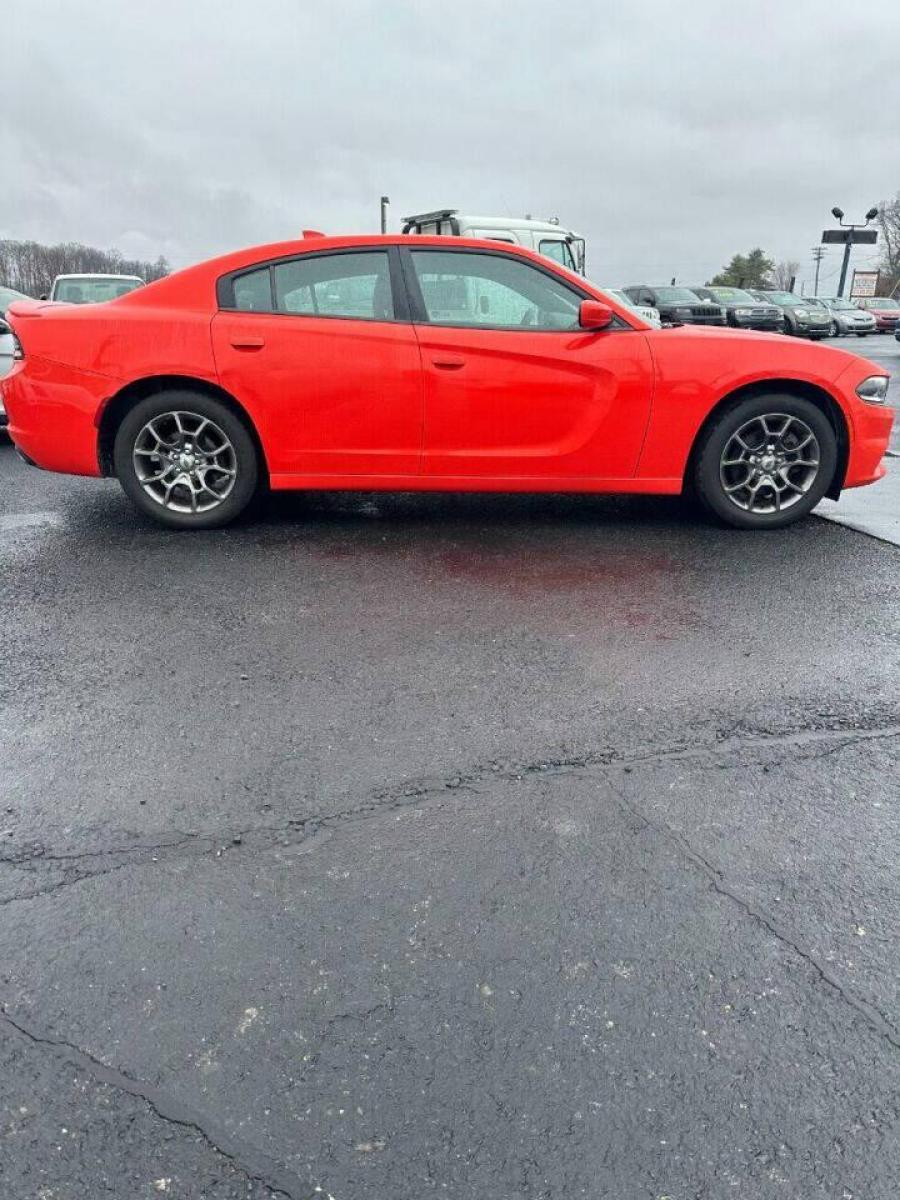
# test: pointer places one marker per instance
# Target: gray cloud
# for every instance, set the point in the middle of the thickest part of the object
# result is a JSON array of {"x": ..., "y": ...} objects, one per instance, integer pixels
[{"x": 670, "y": 135}]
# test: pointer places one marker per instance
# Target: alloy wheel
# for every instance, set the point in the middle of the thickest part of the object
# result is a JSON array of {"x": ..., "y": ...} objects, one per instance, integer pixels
[
  {"x": 770, "y": 463},
  {"x": 185, "y": 462}
]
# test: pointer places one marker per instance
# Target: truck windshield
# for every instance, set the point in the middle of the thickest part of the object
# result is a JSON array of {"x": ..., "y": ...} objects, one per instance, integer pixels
[
  {"x": 559, "y": 251},
  {"x": 93, "y": 291}
]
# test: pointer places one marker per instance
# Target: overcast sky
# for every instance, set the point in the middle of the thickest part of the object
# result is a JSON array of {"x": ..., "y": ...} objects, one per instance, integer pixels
[{"x": 670, "y": 134}]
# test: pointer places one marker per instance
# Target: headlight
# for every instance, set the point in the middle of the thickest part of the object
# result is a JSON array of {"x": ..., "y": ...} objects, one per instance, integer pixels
[
  {"x": 874, "y": 389},
  {"x": 682, "y": 312},
  {"x": 743, "y": 312},
  {"x": 801, "y": 312}
]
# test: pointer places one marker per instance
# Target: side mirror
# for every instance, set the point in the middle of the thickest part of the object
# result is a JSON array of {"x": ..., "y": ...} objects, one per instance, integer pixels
[{"x": 594, "y": 314}]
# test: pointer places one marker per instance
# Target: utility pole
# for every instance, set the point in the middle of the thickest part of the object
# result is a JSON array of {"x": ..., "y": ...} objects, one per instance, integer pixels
[
  {"x": 818, "y": 254},
  {"x": 385, "y": 201},
  {"x": 848, "y": 235}
]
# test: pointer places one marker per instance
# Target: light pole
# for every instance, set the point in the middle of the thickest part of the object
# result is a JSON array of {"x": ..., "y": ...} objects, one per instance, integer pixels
[
  {"x": 850, "y": 234},
  {"x": 385, "y": 201}
]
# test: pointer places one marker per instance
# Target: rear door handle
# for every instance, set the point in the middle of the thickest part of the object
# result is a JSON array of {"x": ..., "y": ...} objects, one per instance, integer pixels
[
  {"x": 247, "y": 341},
  {"x": 449, "y": 362}
]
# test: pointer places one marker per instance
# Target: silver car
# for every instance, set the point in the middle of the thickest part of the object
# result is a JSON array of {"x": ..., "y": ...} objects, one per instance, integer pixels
[
  {"x": 848, "y": 317},
  {"x": 7, "y": 295},
  {"x": 647, "y": 311}
]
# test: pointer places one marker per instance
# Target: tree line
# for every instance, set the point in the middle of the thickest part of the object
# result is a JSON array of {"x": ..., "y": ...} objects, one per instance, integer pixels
[
  {"x": 30, "y": 267},
  {"x": 756, "y": 270}
]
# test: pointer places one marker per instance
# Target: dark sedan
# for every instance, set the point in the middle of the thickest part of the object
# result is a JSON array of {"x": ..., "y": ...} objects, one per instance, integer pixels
[
  {"x": 677, "y": 305},
  {"x": 803, "y": 316},
  {"x": 743, "y": 311}
]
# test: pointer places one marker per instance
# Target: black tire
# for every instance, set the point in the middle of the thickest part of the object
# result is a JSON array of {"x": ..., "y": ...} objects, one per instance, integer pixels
[
  {"x": 241, "y": 465},
  {"x": 862, "y": 335},
  {"x": 833, "y": 330},
  {"x": 707, "y": 471}
]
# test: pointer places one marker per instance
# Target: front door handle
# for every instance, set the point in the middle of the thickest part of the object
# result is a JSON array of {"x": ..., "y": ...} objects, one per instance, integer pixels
[
  {"x": 449, "y": 362},
  {"x": 247, "y": 341}
]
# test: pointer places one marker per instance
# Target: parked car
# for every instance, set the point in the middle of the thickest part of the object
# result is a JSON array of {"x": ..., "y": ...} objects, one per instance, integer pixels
[
  {"x": 547, "y": 237},
  {"x": 7, "y": 342},
  {"x": 742, "y": 310},
  {"x": 92, "y": 289},
  {"x": 848, "y": 317},
  {"x": 650, "y": 314},
  {"x": 676, "y": 305},
  {"x": 885, "y": 310},
  {"x": 418, "y": 363},
  {"x": 803, "y": 315},
  {"x": 6, "y": 361}
]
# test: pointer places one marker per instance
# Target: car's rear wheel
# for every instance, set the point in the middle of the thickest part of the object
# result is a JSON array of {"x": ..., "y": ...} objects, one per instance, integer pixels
[
  {"x": 765, "y": 462},
  {"x": 186, "y": 460}
]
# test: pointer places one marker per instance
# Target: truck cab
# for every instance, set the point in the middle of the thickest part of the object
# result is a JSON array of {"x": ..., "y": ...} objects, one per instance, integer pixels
[
  {"x": 92, "y": 288},
  {"x": 545, "y": 237}
]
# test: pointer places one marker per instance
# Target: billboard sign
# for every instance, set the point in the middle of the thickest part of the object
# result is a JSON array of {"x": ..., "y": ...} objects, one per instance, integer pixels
[
  {"x": 856, "y": 237},
  {"x": 865, "y": 283}
]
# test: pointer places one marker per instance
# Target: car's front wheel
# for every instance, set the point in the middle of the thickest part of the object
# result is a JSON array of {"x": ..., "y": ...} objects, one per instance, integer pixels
[
  {"x": 186, "y": 460},
  {"x": 834, "y": 330},
  {"x": 765, "y": 462}
]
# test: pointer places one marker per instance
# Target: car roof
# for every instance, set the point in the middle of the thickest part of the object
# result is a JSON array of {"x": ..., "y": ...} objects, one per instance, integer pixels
[
  {"x": 190, "y": 286},
  {"x": 99, "y": 275}
]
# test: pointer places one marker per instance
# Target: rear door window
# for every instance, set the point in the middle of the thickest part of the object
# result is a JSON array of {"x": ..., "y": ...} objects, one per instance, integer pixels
[{"x": 349, "y": 285}]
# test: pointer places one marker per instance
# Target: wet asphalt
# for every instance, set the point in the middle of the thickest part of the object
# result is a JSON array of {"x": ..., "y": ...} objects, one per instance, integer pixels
[{"x": 397, "y": 846}]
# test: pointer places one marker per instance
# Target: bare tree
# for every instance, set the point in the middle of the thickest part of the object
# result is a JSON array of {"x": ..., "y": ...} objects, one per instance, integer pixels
[
  {"x": 782, "y": 274},
  {"x": 31, "y": 268},
  {"x": 889, "y": 226}
]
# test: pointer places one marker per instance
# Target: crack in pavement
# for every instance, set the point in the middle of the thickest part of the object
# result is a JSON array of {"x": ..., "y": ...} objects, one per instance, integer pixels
[
  {"x": 35, "y": 859},
  {"x": 254, "y": 1164},
  {"x": 870, "y": 1012}
]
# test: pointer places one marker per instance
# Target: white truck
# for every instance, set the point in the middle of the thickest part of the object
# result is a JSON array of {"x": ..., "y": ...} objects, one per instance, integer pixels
[
  {"x": 93, "y": 288},
  {"x": 546, "y": 237}
]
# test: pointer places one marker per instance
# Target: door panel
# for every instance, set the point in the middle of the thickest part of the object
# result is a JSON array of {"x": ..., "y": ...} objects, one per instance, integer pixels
[
  {"x": 337, "y": 394},
  {"x": 337, "y": 397},
  {"x": 513, "y": 386},
  {"x": 532, "y": 404}
]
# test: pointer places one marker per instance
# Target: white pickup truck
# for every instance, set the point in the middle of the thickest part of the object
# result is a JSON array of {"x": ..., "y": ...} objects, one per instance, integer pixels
[
  {"x": 546, "y": 237},
  {"x": 92, "y": 289}
]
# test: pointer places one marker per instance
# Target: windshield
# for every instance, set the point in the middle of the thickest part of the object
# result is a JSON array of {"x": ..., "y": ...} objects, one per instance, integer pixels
[
  {"x": 730, "y": 295},
  {"x": 7, "y": 295},
  {"x": 94, "y": 291},
  {"x": 618, "y": 294},
  {"x": 881, "y": 302},
  {"x": 840, "y": 304},
  {"x": 676, "y": 295},
  {"x": 785, "y": 299}
]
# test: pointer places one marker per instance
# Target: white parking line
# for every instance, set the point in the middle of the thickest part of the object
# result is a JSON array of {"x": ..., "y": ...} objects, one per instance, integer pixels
[{"x": 874, "y": 510}]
